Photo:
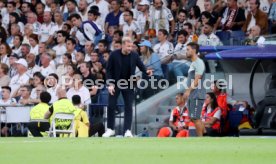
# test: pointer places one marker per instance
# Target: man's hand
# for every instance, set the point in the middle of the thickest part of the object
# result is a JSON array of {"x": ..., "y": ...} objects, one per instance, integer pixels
[
  {"x": 111, "y": 89},
  {"x": 150, "y": 72}
]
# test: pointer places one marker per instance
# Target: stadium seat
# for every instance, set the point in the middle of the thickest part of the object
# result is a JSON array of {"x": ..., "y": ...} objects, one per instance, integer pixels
[{"x": 60, "y": 117}]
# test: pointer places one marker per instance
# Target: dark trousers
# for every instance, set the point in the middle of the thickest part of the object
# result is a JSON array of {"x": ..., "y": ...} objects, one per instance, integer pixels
[
  {"x": 96, "y": 128},
  {"x": 128, "y": 96},
  {"x": 37, "y": 127}
]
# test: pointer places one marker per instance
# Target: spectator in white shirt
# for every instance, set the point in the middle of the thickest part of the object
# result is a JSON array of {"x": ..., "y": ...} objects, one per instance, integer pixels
[
  {"x": 25, "y": 49},
  {"x": 46, "y": 67},
  {"x": 12, "y": 59},
  {"x": 164, "y": 47},
  {"x": 32, "y": 20},
  {"x": 4, "y": 77},
  {"x": 79, "y": 89},
  {"x": 89, "y": 48},
  {"x": 127, "y": 5},
  {"x": 62, "y": 68},
  {"x": 34, "y": 44},
  {"x": 60, "y": 48},
  {"x": 208, "y": 38},
  {"x": 70, "y": 46},
  {"x": 25, "y": 95},
  {"x": 46, "y": 27},
  {"x": 21, "y": 78},
  {"x": 51, "y": 83},
  {"x": 6, "y": 96},
  {"x": 32, "y": 67},
  {"x": 130, "y": 24},
  {"x": 58, "y": 18},
  {"x": 83, "y": 9},
  {"x": 17, "y": 41},
  {"x": 5, "y": 51},
  {"x": 103, "y": 8}
]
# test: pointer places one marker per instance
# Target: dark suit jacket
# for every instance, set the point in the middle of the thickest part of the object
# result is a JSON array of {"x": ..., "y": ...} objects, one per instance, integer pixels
[{"x": 114, "y": 65}]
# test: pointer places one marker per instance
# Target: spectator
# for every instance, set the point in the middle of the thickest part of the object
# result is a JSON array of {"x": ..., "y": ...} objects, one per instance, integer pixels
[
  {"x": 211, "y": 115},
  {"x": 33, "y": 39},
  {"x": 89, "y": 48},
  {"x": 102, "y": 47},
  {"x": 94, "y": 15},
  {"x": 41, "y": 49},
  {"x": 39, "y": 8},
  {"x": 51, "y": 83},
  {"x": 181, "y": 20},
  {"x": 82, "y": 7},
  {"x": 17, "y": 42},
  {"x": 15, "y": 30},
  {"x": 46, "y": 67},
  {"x": 112, "y": 18},
  {"x": 46, "y": 27},
  {"x": 208, "y": 38},
  {"x": 96, "y": 66},
  {"x": 24, "y": 95},
  {"x": 175, "y": 8},
  {"x": 194, "y": 15},
  {"x": 38, "y": 86},
  {"x": 6, "y": 96},
  {"x": 37, "y": 113},
  {"x": 15, "y": 19},
  {"x": 60, "y": 48},
  {"x": 163, "y": 47},
  {"x": 4, "y": 77},
  {"x": 179, "y": 120},
  {"x": 28, "y": 30},
  {"x": 117, "y": 37},
  {"x": 33, "y": 20},
  {"x": 130, "y": 24},
  {"x": 232, "y": 17},
  {"x": 32, "y": 67},
  {"x": 117, "y": 45},
  {"x": 70, "y": 46},
  {"x": 11, "y": 7},
  {"x": 103, "y": 8},
  {"x": 25, "y": 49},
  {"x": 81, "y": 118},
  {"x": 152, "y": 61},
  {"x": 87, "y": 31},
  {"x": 188, "y": 4},
  {"x": 127, "y": 5},
  {"x": 79, "y": 58},
  {"x": 208, "y": 6},
  {"x": 143, "y": 16},
  {"x": 260, "y": 18},
  {"x": 58, "y": 18},
  {"x": 21, "y": 78},
  {"x": 5, "y": 52},
  {"x": 79, "y": 89},
  {"x": 161, "y": 17},
  {"x": 72, "y": 9},
  {"x": 12, "y": 59},
  {"x": 254, "y": 37},
  {"x": 179, "y": 65},
  {"x": 85, "y": 69},
  {"x": 62, "y": 69},
  {"x": 204, "y": 18}
]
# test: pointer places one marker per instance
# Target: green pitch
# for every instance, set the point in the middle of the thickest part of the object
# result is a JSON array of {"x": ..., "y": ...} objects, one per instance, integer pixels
[{"x": 137, "y": 150}]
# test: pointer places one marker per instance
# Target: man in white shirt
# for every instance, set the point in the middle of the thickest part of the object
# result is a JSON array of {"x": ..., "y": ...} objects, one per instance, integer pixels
[
  {"x": 22, "y": 77},
  {"x": 161, "y": 17},
  {"x": 32, "y": 19},
  {"x": 79, "y": 89},
  {"x": 164, "y": 47},
  {"x": 208, "y": 38},
  {"x": 130, "y": 24},
  {"x": 83, "y": 10},
  {"x": 46, "y": 27},
  {"x": 32, "y": 67},
  {"x": 58, "y": 17},
  {"x": 127, "y": 5},
  {"x": 46, "y": 67},
  {"x": 6, "y": 96},
  {"x": 60, "y": 48},
  {"x": 143, "y": 16}
]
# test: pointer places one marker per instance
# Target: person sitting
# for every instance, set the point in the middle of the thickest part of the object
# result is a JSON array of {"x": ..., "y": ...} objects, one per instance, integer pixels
[
  {"x": 254, "y": 37},
  {"x": 37, "y": 115},
  {"x": 81, "y": 118},
  {"x": 179, "y": 120},
  {"x": 210, "y": 116},
  {"x": 6, "y": 96}
]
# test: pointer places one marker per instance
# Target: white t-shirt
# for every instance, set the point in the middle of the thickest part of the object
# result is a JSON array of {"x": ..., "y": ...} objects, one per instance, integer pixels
[
  {"x": 48, "y": 70},
  {"x": 34, "y": 50},
  {"x": 55, "y": 28},
  {"x": 33, "y": 70},
  {"x": 135, "y": 15},
  {"x": 132, "y": 27},
  {"x": 45, "y": 31},
  {"x": 60, "y": 50},
  {"x": 36, "y": 28},
  {"x": 141, "y": 20},
  {"x": 211, "y": 40},
  {"x": 8, "y": 102},
  {"x": 164, "y": 49},
  {"x": 17, "y": 81},
  {"x": 53, "y": 93},
  {"x": 83, "y": 92},
  {"x": 264, "y": 6},
  {"x": 180, "y": 49},
  {"x": 163, "y": 18}
]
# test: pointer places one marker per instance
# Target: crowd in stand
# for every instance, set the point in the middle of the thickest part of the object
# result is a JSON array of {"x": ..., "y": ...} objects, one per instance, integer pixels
[{"x": 45, "y": 44}]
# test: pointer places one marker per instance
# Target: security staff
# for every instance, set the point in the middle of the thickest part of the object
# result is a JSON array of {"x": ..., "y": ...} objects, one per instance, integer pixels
[{"x": 38, "y": 124}]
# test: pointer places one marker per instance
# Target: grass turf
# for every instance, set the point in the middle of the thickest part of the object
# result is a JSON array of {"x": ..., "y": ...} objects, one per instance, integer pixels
[{"x": 137, "y": 150}]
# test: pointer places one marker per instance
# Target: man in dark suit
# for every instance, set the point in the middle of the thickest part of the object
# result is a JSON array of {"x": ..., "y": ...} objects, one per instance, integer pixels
[{"x": 120, "y": 70}]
